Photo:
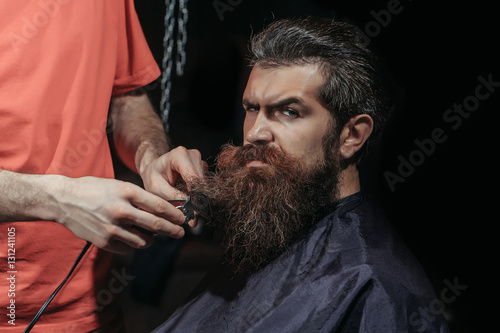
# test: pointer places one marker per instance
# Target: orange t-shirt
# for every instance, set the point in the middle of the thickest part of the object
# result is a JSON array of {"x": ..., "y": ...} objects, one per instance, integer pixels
[{"x": 60, "y": 63}]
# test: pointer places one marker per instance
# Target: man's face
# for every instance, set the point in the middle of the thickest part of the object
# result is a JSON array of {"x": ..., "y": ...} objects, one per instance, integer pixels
[
  {"x": 269, "y": 191},
  {"x": 283, "y": 110}
]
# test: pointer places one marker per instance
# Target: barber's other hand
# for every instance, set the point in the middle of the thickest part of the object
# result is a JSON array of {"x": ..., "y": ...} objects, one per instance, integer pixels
[
  {"x": 160, "y": 174},
  {"x": 114, "y": 215}
]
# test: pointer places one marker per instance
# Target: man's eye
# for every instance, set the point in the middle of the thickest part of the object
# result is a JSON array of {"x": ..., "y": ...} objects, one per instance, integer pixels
[{"x": 290, "y": 113}]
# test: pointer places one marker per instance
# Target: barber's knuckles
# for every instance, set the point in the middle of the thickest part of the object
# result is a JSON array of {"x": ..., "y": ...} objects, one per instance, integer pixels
[{"x": 186, "y": 162}]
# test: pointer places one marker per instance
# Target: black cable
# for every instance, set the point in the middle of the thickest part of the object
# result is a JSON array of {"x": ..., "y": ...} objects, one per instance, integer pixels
[{"x": 47, "y": 302}]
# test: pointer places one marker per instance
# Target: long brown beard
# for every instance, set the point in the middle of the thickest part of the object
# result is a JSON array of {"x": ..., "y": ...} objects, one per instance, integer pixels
[{"x": 262, "y": 210}]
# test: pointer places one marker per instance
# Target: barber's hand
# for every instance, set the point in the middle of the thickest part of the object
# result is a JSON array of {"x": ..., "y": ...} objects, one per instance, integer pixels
[
  {"x": 160, "y": 174},
  {"x": 114, "y": 215}
]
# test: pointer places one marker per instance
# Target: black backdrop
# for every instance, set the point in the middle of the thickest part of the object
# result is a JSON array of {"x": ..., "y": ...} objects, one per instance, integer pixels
[{"x": 434, "y": 172}]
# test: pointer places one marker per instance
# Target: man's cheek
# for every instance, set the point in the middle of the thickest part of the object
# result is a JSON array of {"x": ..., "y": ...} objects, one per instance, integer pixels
[{"x": 311, "y": 157}]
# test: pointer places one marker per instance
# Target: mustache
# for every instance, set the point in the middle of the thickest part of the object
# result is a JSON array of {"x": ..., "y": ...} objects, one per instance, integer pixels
[{"x": 232, "y": 156}]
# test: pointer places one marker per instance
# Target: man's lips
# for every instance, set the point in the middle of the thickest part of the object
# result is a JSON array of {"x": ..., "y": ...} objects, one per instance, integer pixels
[{"x": 256, "y": 163}]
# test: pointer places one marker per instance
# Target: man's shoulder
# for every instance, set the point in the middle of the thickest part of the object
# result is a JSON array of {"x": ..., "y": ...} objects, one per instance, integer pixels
[
  {"x": 354, "y": 224},
  {"x": 356, "y": 239}
]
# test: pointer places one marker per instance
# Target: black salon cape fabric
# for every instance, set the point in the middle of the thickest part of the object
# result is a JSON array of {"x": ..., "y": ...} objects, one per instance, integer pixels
[{"x": 349, "y": 273}]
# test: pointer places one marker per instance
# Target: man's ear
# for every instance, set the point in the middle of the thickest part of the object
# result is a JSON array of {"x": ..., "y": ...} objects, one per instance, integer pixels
[{"x": 354, "y": 135}]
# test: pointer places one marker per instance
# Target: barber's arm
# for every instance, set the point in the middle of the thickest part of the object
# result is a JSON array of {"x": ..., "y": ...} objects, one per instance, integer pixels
[
  {"x": 141, "y": 143},
  {"x": 108, "y": 212}
]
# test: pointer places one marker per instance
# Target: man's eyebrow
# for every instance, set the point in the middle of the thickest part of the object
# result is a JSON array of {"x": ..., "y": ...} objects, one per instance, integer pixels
[
  {"x": 287, "y": 101},
  {"x": 249, "y": 105},
  {"x": 276, "y": 105}
]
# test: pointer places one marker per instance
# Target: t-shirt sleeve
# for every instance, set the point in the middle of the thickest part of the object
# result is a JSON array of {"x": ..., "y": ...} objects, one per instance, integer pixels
[{"x": 135, "y": 66}]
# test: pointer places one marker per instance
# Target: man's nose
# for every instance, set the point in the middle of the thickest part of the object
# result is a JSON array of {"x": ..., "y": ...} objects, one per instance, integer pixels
[{"x": 258, "y": 129}]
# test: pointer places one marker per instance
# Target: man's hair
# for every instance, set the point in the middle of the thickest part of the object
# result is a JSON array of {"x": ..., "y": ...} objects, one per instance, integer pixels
[{"x": 354, "y": 84}]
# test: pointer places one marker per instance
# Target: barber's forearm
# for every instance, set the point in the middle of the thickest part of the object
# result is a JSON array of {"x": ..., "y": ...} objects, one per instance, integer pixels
[
  {"x": 94, "y": 209},
  {"x": 138, "y": 133},
  {"x": 27, "y": 197}
]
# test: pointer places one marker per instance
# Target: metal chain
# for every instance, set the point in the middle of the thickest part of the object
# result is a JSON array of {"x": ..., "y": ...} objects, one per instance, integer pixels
[
  {"x": 182, "y": 36},
  {"x": 168, "y": 49},
  {"x": 166, "y": 83}
]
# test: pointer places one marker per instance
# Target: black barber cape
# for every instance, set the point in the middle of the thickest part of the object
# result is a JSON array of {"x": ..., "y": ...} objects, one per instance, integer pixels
[{"x": 349, "y": 273}]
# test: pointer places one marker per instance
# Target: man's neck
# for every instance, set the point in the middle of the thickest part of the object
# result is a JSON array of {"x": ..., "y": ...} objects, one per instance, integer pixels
[{"x": 349, "y": 181}]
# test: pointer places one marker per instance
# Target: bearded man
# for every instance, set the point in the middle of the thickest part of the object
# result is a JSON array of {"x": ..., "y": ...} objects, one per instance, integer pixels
[{"x": 306, "y": 250}]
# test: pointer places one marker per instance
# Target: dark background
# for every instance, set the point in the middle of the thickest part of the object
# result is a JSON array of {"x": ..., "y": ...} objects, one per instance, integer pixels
[{"x": 444, "y": 209}]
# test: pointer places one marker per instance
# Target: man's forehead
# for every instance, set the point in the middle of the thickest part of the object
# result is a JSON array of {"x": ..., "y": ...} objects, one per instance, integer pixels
[{"x": 269, "y": 84}]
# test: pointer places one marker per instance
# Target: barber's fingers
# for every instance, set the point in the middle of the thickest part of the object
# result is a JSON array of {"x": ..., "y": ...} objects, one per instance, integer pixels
[
  {"x": 136, "y": 225},
  {"x": 123, "y": 239},
  {"x": 161, "y": 175},
  {"x": 155, "y": 224},
  {"x": 184, "y": 162},
  {"x": 154, "y": 212},
  {"x": 160, "y": 186},
  {"x": 187, "y": 162}
]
